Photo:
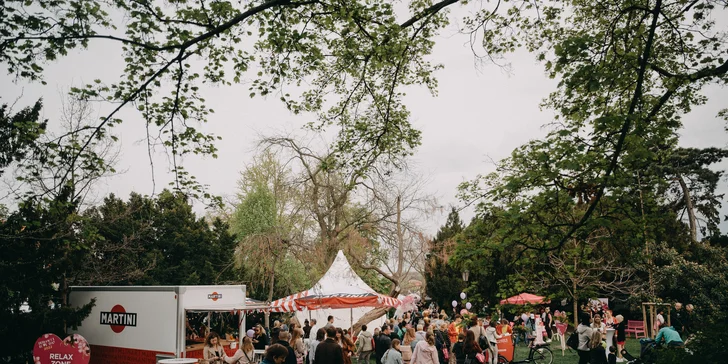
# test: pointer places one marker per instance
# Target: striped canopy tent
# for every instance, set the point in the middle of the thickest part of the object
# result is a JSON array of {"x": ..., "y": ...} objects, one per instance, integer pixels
[{"x": 340, "y": 293}]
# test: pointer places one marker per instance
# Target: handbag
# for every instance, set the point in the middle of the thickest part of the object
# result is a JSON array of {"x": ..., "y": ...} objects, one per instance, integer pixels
[
  {"x": 573, "y": 341},
  {"x": 480, "y": 357},
  {"x": 445, "y": 354}
]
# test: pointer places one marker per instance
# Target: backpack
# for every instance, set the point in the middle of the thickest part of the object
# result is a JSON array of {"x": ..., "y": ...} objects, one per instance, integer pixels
[{"x": 573, "y": 340}]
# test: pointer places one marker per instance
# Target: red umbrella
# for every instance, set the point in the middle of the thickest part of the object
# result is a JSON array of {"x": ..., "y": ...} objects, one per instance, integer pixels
[{"x": 524, "y": 298}]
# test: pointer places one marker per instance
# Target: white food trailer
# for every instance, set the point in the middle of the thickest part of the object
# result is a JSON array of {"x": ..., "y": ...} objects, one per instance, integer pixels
[{"x": 142, "y": 324}]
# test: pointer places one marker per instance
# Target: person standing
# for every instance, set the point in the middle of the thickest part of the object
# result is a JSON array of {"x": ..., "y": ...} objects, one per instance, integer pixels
[
  {"x": 364, "y": 345},
  {"x": 677, "y": 317},
  {"x": 471, "y": 348},
  {"x": 244, "y": 355},
  {"x": 596, "y": 349},
  {"x": 621, "y": 328},
  {"x": 283, "y": 338},
  {"x": 547, "y": 320},
  {"x": 329, "y": 323},
  {"x": 458, "y": 350},
  {"x": 329, "y": 351},
  {"x": 491, "y": 339},
  {"x": 383, "y": 343},
  {"x": 314, "y": 329},
  {"x": 585, "y": 334},
  {"x": 296, "y": 343},
  {"x": 306, "y": 329},
  {"x": 260, "y": 339},
  {"x": 275, "y": 354},
  {"x": 406, "y": 347},
  {"x": 313, "y": 342},
  {"x": 425, "y": 352},
  {"x": 393, "y": 355},
  {"x": 213, "y": 351}
]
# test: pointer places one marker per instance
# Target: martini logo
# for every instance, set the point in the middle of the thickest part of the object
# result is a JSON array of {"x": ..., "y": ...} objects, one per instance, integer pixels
[
  {"x": 118, "y": 319},
  {"x": 214, "y": 296}
]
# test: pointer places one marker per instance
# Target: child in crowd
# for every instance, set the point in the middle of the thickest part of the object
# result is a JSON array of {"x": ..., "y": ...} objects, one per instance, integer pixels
[{"x": 612, "y": 358}]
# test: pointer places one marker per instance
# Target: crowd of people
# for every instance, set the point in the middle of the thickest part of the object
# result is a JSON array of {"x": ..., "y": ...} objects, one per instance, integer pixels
[{"x": 428, "y": 337}]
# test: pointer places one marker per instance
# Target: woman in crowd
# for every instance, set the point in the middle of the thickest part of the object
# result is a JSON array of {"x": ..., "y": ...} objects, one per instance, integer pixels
[
  {"x": 275, "y": 354},
  {"x": 596, "y": 349},
  {"x": 260, "y": 339},
  {"x": 491, "y": 338},
  {"x": 608, "y": 319},
  {"x": 470, "y": 347},
  {"x": 348, "y": 347},
  {"x": 296, "y": 343},
  {"x": 339, "y": 336},
  {"x": 407, "y": 346},
  {"x": 213, "y": 352},
  {"x": 425, "y": 352},
  {"x": 585, "y": 334},
  {"x": 393, "y": 355},
  {"x": 244, "y": 355},
  {"x": 446, "y": 344},
  {"x": 598, "y": 325}
]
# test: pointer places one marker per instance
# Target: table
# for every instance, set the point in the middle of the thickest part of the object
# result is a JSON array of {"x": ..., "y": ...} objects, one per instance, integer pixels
[{"x": 178, "y": 361}]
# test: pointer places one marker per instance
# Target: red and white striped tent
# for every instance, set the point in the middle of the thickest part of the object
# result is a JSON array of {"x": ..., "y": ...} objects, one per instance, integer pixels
[{"x": 340, "y": 293}]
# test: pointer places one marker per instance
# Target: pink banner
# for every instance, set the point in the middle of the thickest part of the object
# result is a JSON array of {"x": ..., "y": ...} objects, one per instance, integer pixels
[{"x": 50, "y": 349}]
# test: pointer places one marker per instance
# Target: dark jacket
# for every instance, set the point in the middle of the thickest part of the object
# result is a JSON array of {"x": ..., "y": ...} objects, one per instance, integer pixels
[
  {"x": 262, "y": 342},
  {"x": 598, "y": 355},
  {"x": 459, "y": 353},
  {"x": 328, "y": 352},
  {"x": 383, "y": 344},
  {"x": 291, "y": 357}
]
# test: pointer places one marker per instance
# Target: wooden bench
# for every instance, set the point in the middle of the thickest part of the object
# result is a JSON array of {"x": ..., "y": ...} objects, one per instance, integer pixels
[{"x": 636, "y": 327}]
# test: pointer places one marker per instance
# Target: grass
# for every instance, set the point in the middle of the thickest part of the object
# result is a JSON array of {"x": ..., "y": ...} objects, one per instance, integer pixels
[{"x": 570, "y": 356}]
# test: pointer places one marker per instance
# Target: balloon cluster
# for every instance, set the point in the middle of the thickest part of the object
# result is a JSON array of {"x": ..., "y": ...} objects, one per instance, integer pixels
[{"x": 468, "y": 305}]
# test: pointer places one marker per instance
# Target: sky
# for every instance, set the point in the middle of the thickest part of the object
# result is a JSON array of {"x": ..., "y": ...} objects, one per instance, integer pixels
[{"x": 481, "y": 113}]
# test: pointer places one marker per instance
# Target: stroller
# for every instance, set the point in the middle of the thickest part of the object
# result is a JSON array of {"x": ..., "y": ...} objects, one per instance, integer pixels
[{"x": 647, "y": 353}]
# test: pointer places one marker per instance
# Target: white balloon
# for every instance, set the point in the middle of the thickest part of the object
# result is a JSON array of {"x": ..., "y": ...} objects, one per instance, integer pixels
[
  {"x": 468, "y": 305},
  {"x": 454, "y": 303},
  {"x": 250, "y": 333},
  {"x": 462, "y": 295}
]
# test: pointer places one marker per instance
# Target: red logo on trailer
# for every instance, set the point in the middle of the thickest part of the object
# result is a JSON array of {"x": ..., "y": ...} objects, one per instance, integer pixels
[
  {"x": 214, "y": 296},
  {"x": 118, "y": 319}
]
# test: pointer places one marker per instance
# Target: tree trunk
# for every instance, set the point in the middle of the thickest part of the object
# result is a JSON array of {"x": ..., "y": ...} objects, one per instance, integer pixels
[
  {"x": 270, "y": 294},
  {"x": 575, "y": 297},
  {"x": 576, "y": 308},
  {"x": 369, "y": 316},
  {"x": 692, "y": 221}
]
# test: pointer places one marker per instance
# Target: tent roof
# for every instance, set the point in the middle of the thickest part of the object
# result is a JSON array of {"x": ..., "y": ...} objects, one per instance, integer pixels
[
  {"x": 340, "y": 281},
  {"x": 524, "y": 298}
]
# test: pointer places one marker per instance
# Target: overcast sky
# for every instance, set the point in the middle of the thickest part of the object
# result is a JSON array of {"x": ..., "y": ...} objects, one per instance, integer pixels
[{"x": 480, "y": 113}]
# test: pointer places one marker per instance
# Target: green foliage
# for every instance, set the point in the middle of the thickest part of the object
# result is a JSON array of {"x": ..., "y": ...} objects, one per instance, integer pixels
[
  {"x": 697, "y": 274},
  {"x": 355, "y": 56},
  {"x": 41, "y": 255},
  {"x": 444, "y": 280},
  {"x": 19, "y": 133}
]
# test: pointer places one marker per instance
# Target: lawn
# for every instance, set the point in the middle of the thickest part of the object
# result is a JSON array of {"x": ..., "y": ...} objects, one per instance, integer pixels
[{"x": 570, "y": 356}]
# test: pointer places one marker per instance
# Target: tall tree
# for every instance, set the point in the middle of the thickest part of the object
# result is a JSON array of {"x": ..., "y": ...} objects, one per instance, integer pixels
[{"x": 444, "y": 282}]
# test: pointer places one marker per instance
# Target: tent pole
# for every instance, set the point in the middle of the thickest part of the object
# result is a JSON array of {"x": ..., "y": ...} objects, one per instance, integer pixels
[{"x": 351, "y": 321}]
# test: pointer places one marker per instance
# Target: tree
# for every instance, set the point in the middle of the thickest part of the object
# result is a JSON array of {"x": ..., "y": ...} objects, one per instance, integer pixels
[
  {"x": 443, "y": 280},
  {"x": 358, "y": 50},
  {"x": 41, "y": 253},
  {"x": 694, "y": 185},
  {"x": 19, "y": 133}
]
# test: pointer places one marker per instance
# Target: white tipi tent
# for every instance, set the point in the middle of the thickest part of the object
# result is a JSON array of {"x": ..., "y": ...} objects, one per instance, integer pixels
[{"x": 340, "y": 293}]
